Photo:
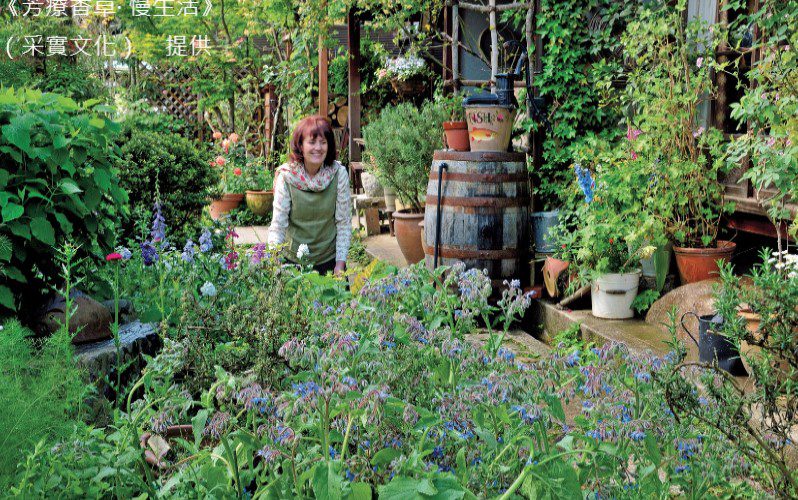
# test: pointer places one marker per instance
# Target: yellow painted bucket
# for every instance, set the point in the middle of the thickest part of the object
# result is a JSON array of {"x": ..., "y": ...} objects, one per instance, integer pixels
[{"x": 489, "y": 127}]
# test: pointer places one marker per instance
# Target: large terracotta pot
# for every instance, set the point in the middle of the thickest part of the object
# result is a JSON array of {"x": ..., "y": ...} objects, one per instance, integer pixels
[
  {"x": 260, "y": 202},
  {"x": 699, "y": 264},
  {"x": 457, "y": 135},
  {"x": 225, "y": 204},
  {"x": 408, "y": 234}
]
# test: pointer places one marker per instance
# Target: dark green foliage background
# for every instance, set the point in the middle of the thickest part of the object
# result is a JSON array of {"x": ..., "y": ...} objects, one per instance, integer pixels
[{"x": 57, "y": 183}]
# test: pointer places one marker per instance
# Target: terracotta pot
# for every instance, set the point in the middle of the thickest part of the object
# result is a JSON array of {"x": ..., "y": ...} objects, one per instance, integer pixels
[
  {"x": 260, "y": 202},
  {"x": 552, "y": 269},
  {"x": 699, "y": 264},
  {"x": 225, "y": 204},
  {"x": 408, "y": 234},
  {"x": 457, "y": 135}
]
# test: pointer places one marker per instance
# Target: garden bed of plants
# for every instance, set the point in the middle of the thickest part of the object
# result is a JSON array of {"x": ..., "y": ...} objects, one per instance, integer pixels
[{"x": 276, "y": 382}]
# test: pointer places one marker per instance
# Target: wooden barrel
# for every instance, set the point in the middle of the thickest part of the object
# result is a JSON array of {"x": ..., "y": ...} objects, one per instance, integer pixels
[{"x": 485, "y": 200}]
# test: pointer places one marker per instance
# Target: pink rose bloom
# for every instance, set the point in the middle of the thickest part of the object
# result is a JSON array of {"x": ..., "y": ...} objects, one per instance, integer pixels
[
  {"x": 217, "y": 135},
  {"x": 220, "y": 160},
  {"x": 233, "y": 138},
  {"x": 634, "y": 155},
  {"x": 226, "y": 145},
  {"x": 237, "y": 171}
]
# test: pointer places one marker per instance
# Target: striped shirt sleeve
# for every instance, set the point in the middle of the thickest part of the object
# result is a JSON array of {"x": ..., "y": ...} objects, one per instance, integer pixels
[
  {"x": 281, "y": 208},
  {"x": 343, "y": 215}
]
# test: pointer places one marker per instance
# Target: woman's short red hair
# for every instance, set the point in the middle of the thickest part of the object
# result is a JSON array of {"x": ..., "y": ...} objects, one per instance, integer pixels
[{"x": 308, "y": 128}]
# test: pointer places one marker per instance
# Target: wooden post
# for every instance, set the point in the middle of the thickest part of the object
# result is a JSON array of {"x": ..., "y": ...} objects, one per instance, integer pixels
[
  {"x": 324, "y": 98},
  {"x": 353, "y": 36},
  {"x": 456, "y": 45},
  {"x": 447, "y": 45},
  {"x": 494, "y": 46}
]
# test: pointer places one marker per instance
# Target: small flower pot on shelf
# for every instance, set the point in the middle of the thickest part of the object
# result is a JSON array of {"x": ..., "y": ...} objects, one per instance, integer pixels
[
  {"x": 260, "y": 202},
  {"x": 226, "y": 204},
  {"x": 542, "y": 222}
]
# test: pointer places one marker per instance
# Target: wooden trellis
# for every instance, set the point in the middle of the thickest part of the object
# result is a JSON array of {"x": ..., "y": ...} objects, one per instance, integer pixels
[
  {"x": 491, "y": 9},
  {"x": 172, "y": 94}
]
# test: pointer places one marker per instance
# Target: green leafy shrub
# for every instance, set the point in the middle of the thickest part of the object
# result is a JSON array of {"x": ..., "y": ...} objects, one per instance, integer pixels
[
  {"x": 183, "y": 177},
  {"x": 41, "y": 396},
  {"x": 140, "y": 115},
  {"x": 57, "y": 183},
  {"x": 399, "y": 145}
]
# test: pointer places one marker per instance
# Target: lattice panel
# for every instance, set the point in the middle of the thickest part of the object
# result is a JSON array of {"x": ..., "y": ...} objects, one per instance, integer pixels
[{"x": 170, "y": 92}]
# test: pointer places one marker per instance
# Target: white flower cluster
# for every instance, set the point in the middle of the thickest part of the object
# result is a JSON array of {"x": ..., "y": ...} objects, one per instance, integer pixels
[
  {"x": 302, "y": 251},
  {"x": 403, "y": 67},
  {"x": 789, "y": 263}
]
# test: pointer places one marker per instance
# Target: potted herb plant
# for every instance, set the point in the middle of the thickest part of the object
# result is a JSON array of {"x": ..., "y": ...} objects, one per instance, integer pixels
[
  {"x": 231, "y": 161},
  {"x": 399, "y": 147},
  {"x": 456, "y": 128},
  {"x": 260, "y": 178},
  {"x": 668, "y": 88},
  {"x": 601, "y": 238}
]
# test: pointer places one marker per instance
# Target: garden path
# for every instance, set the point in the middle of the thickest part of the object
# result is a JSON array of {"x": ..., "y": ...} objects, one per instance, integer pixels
[
  {"x": 384, "y": 247},
  {"x": 251, "y": 235}
]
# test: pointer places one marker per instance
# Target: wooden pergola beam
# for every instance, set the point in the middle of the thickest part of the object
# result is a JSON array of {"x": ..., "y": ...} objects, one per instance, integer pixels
[
  {"x": 486, "y": 9},
  {"x": 353, "y": 37},
  {"x": 324, "y": 76}
]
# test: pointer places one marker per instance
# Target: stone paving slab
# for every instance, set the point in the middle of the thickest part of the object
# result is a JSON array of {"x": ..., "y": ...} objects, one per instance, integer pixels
[
  {"x": 636, "y": 334},
  {"x": 525, "y": 346},
  {"x": 384, "y": 247},
  {"x": 251, "y": 235}
]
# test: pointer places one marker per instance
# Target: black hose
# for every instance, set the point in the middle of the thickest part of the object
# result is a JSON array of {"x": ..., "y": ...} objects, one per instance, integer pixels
[{"x": 441, "y": 167}]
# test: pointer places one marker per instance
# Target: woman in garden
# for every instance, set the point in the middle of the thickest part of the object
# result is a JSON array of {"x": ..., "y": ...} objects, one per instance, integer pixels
[{"x": 311, "y": 211}]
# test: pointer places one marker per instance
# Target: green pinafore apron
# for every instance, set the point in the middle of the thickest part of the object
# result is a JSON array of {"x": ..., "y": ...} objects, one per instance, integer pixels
[{"x": 312, "y": 222}]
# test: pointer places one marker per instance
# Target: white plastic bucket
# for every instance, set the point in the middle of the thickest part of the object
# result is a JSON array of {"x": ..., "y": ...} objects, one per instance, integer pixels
[{"x": 613, "y": 294}]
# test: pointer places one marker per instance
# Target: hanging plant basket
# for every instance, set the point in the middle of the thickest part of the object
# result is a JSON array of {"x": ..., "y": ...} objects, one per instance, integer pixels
[{"x": 411, "y": 87}]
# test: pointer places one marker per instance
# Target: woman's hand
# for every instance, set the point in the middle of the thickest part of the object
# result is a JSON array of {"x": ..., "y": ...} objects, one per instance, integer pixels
[{"x": 340, "y": 267}]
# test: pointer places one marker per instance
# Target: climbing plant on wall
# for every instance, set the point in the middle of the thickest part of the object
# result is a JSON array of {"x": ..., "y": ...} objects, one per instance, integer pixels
[{"x": 581, "y": 62}]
